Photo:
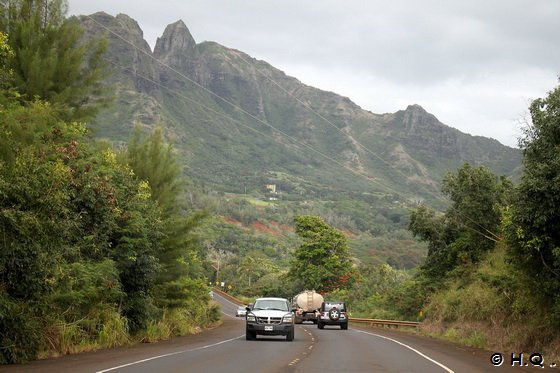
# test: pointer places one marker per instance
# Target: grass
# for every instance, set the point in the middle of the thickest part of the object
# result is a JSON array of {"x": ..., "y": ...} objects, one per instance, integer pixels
[
  {"x": 105, "y": 329},
  {"x": 108, "y": 329},
  {"x": 491, "y": 309},
  {"x": 114, "y": 332}
]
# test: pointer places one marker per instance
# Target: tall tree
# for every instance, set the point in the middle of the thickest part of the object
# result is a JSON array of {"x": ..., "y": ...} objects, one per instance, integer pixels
[
  {"x": 469, "y": 228},
  {"x": 534, "y": 230},
  {"x": 477, "y": 196},
  {"x": 153, "y": 160},
  {"x": 323, "y": 261},
  {"x": 51, "y": 61}
]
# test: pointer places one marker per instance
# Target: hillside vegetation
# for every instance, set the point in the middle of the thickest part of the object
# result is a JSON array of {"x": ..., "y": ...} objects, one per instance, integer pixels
[{"x": 239, "y": 124}]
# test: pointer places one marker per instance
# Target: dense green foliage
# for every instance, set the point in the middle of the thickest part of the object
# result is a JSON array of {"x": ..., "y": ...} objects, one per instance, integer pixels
[
  {"x": 322, "y": 262},
  {"x": 534, "y": 229},
  {"x": 82, "y": 240},
  {"x": 468, "y": 229},
  {"x": 6, "y": 74},
  {"x": 92, "y": 251},
  {"x": 51, "y": 62}
]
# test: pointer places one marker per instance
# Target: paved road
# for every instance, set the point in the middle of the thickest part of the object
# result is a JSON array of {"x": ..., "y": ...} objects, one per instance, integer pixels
[{"x": 224, "y": 349}]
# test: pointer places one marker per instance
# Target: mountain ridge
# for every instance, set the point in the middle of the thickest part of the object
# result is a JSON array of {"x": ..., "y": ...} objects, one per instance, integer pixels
[{"x": 211, "y": 98}]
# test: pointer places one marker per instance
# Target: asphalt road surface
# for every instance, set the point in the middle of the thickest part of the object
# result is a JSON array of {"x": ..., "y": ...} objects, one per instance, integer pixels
[{"x": 224, "y": 349}]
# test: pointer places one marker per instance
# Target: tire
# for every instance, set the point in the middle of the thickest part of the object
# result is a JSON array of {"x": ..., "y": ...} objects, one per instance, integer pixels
[
  {"x": 250, "y": 335},
  {"x": 290, "y": 336},
  {"x": 334, "y": 314},
  {"x": 344, "y": 326},
  {"x": 320, "y": 325}
]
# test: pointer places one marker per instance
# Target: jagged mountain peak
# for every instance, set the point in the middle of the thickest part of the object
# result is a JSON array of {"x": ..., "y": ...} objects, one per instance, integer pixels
[
  {"x": 415, "y": 115},
  {"x": 120, "y": 30},
  {"x": 175, "y": 39},
  {"x": 416, "y": 107},
  {"x": 234, "y": 123}
]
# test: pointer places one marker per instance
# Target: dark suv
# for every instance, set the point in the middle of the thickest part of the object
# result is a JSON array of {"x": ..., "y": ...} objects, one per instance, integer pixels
[{"x": 333, "y": 313}]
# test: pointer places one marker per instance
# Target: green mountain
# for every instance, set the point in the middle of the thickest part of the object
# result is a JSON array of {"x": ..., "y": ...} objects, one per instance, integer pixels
[{"x": 240, "y": 124}]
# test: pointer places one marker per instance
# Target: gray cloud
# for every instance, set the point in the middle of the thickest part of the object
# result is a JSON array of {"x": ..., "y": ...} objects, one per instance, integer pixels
[{"x": 474, "y": 64}]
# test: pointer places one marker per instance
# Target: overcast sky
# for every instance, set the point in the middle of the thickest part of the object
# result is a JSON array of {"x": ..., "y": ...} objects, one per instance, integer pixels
[{"x": 475, "y": 64}]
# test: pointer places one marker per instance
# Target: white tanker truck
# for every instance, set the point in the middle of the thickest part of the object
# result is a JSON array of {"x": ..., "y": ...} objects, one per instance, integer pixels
[{"x": 307, "y": 304}]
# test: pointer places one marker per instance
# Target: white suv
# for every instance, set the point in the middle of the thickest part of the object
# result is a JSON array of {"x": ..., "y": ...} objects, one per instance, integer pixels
[{"x": 270, "y": 316}]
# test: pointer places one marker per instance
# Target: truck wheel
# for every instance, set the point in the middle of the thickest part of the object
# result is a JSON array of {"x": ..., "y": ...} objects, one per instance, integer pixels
[
  {"x": 250, "y": 335},
  {"x": 290, "y": 336}
]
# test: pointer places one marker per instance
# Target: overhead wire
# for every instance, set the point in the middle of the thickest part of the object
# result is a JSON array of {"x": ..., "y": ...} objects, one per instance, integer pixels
[
  {"x": 240, "y": 123},
  {"x": 236, "y": 107},
  {"x": 322, "y": 117},
  {"x": 326, "y": 120},
  {"x": 369, "y": 178}
]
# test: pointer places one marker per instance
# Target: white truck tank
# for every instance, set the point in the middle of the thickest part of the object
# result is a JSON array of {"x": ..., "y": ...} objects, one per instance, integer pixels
[
  {"x": 309, "y": 300},
  {"x": 307, "y": 304}
]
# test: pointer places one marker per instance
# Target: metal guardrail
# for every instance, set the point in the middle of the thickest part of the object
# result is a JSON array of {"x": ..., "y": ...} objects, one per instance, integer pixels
[
  {"x": 228, "y": 297},
  {"x": 371, "y": 322},
  {"x": 395, "y": 323}
]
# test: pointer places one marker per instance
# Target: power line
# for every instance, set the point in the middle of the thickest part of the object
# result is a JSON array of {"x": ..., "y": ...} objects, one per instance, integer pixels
[
  {"x": 308, "y": 107},
  {"x": 296, "y": 141},
  {"x": 240, "y": 123},
  {"x": 368, "y": 178}
]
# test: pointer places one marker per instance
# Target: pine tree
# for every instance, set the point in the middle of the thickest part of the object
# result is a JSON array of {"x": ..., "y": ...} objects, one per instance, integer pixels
[
  {"x": 50, "y": 60},
  {"x": 153, "y": 160}
]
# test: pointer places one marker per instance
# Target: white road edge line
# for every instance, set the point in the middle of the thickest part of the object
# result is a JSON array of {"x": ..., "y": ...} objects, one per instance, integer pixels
[
  {"x": 227, "y": 300},
  {"x": 410, "y": 348},
  {"x": 228, "y": 315},
  {"x": 170, "y": 354}
]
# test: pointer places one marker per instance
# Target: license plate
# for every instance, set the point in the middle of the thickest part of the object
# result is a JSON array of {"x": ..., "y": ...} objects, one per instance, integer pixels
[{"x": 268, "y": 328}]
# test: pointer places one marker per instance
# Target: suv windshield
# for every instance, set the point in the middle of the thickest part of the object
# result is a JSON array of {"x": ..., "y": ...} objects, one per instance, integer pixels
[{"x": 271, "y": 304}]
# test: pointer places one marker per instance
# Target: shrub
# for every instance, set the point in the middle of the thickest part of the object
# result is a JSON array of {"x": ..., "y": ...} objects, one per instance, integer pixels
[
  {"x": 114, "y": 331},
  {"x": 20, "y": 331}
]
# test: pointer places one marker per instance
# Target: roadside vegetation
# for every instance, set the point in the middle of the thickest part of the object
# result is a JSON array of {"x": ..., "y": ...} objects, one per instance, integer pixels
[
  {"x": 492, "y": 275},
  {"x": 97, "y": 245}
]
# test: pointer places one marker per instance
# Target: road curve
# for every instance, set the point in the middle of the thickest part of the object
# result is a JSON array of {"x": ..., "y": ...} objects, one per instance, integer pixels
[{"x": 224, "y": 349}]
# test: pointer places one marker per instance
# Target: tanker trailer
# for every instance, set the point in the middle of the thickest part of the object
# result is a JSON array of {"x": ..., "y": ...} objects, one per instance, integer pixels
[{"x": 307, "y": 304}]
